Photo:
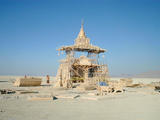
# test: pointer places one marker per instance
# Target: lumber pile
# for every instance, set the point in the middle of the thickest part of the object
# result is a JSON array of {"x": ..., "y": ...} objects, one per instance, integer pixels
[{"x": 31, "y": 81}]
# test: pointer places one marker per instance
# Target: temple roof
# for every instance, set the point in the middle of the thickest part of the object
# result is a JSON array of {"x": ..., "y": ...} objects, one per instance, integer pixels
[
  {"x": 81, "y": 33},
  {"x": 82, "y": 43},
  {"x": 86, "y": 48}
]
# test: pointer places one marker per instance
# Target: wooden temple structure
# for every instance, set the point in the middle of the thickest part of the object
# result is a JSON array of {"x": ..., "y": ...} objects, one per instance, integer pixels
[{"x": 85, "y": 69}]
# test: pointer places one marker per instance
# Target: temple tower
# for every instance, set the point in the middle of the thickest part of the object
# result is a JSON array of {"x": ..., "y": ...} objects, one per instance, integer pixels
[{"x": 83, "y": 68}]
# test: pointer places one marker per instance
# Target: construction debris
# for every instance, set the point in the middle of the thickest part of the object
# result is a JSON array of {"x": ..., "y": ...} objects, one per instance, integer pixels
[
  {"x": 112, "y": 87},
  {"x": 156, "y": 86},
  {"x": 7, "y": 91}
]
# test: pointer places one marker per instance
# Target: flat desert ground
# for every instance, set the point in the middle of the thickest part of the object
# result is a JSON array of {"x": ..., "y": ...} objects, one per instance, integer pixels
[{"x": 133, "y": 104}]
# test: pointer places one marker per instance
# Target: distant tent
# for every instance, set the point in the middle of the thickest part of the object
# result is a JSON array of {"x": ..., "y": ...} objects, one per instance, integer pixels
[{"x": 102, "y": 84}]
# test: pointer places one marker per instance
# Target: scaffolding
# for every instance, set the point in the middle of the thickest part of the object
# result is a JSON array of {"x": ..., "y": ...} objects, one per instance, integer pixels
[{"x": 86, "y": 69}]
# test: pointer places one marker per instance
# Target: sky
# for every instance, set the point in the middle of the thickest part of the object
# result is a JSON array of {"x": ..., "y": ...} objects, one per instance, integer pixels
[{"x": 32, "y": 30}]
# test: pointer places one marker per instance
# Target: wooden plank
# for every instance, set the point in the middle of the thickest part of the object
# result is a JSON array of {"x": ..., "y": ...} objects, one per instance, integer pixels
[{"x": 67, "y": 96}]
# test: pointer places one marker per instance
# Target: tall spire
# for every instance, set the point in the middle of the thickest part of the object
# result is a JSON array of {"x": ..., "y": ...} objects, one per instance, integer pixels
[
  {"x": 82, "y": 33},
  {"x": 82, "y": 39},
  {"x": 82, "y": 23}
]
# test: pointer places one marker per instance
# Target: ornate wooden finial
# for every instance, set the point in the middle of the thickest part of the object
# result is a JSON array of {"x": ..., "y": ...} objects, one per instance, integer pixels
[{"x": 82, "y": 23}]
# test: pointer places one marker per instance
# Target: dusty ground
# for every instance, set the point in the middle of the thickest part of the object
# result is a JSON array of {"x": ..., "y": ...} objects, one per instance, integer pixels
[{"x": 134, "y": 104}]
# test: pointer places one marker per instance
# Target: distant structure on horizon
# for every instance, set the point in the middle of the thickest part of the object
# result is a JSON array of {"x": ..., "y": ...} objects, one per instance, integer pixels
[{"x": 83, "y": 68}]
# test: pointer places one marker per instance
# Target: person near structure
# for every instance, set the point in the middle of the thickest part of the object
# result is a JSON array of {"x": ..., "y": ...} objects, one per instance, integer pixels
[
  {"x": 48, "y": 79},
  {"x": 25, "y": 76}
]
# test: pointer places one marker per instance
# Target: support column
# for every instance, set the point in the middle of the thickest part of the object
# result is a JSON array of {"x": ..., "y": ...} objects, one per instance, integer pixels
[{"x": 86, "y": 75}]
